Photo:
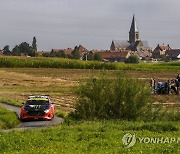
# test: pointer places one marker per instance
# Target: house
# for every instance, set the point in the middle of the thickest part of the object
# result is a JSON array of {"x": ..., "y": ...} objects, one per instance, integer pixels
[
  {"x": 40, "y": 53},
  {"x": 1, "y": 52},
  {"x": 82, "y": 49},
  {"x": 115, "y": 56},
  {"x": 145, "y": 55},
  {"x": 134, "y": 43},
  {"x": 160, "y": 51},
  {"x": 173, "y": 54},
  {"x": 56, "y": 52}
]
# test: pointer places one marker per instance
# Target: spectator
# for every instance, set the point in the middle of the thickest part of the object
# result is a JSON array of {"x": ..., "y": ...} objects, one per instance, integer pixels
[
  {"x": 153, "y": 85},
  {"x": 177, "y": 85},
  {"x": 168, "y": 86},
  {"x": 178, "y": 78}
]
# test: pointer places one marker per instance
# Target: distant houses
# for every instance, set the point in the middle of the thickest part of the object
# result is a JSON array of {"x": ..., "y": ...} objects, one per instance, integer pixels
[
  {"x": 167, "y": 52},
  {"x": 119, "y": 51},
  {"x": 1, "y": 52},
  {"x": 114, "y": 56},
  {"x": 173, "y": 54},
  {"x": 160, "y": 51}
]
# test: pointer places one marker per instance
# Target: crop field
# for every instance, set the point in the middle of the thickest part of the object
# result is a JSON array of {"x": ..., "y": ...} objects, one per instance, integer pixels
[
  {"x": 17, "y": 83},
  {"x": 42, "y": 62}
]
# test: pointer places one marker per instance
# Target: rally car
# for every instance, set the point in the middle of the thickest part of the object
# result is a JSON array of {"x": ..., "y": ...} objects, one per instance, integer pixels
[{"x": 37, "y": 107}]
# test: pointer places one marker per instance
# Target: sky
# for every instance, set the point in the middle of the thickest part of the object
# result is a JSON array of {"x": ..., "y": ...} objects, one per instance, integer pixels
[{"x": 91, "y": 23}]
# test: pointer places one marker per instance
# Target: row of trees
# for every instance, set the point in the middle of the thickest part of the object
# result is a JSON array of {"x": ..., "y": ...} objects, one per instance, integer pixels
[{"x": 22, "y": 48}]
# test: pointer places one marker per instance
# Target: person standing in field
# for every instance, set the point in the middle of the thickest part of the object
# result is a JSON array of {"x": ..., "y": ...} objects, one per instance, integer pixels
[
  {"x": 177, "y": 83},
  {"x": 153, "y": 85},
  {"x": 168, "y": 86},
  {"x": 178, "y": 78}
]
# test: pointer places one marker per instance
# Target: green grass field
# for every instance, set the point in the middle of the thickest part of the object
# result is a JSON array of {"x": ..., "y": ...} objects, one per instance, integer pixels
[
  {"x": 8, "y": 119},
  {"x": 91, "y": 137}
]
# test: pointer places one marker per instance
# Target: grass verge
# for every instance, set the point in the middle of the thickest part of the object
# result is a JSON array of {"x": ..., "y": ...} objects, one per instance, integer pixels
[
  {"x": 8, "y": 119},
  {"x": 10, "y": 101},
  {"x": 89, "y": 137}
]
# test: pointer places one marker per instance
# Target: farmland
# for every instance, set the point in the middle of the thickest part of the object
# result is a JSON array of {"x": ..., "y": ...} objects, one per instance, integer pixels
[
  {"x": 105, "y": 136},
  {"x": 17, "y": 83}
]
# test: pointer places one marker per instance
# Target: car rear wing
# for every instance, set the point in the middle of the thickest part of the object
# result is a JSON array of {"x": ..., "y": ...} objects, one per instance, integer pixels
[{"x": 38, "y": 96}]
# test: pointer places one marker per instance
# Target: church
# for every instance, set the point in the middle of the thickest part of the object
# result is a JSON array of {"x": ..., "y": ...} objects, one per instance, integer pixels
[{"x": 134, "y": 43}]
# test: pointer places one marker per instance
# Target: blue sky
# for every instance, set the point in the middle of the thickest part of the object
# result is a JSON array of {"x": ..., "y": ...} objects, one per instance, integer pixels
[{"x": 92, "y": 23}]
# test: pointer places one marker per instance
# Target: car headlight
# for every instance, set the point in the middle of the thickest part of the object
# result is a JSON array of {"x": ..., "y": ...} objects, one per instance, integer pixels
[{"x": 47, "y": 110}]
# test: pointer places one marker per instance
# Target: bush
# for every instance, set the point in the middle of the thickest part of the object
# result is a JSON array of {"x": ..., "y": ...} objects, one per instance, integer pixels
[
  {"x": 118, "y": 98},
  {"x": 132, "y": 59}
]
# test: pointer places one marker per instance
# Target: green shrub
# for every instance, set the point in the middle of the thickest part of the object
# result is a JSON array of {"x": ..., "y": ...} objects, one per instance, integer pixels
[
  {"x": 117, "y": 98},
  {"x": 132, "y": 59},
  {"x": 61, "y": 114}
]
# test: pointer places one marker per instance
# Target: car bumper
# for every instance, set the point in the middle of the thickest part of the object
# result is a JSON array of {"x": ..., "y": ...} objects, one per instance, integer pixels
[{"x": 47, "y": 116}]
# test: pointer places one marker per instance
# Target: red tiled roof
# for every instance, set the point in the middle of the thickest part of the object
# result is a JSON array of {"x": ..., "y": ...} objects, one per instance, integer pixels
[
  {"x": 113, "y": 54},
  {"x": 145, "y": 54},
  {"x": 66, "y": 51},
  {"x": 82, "y": 49},
  {"x": 162, "y": 47}
]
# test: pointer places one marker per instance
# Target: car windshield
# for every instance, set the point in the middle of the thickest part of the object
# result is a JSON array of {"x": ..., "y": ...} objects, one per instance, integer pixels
[{"x": 37, "y": 102}]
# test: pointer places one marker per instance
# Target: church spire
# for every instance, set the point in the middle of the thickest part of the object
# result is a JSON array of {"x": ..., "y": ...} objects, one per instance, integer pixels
[{"x": 134, "y": 32}]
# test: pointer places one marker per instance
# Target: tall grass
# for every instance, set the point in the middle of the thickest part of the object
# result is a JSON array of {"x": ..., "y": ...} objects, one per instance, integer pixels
[{"x": 44, "y": 62}]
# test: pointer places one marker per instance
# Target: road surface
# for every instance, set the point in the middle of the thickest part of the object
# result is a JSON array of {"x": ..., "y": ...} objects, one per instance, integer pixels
[{"x": 32, "y": 124}]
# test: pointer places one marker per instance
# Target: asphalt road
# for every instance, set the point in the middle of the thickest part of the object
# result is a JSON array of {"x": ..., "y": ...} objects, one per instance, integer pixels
[{"x": 32, "y": 124}]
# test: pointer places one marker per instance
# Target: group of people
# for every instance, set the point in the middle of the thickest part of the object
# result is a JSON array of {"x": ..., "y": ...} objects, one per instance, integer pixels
[{"x": 166, "y": 87}]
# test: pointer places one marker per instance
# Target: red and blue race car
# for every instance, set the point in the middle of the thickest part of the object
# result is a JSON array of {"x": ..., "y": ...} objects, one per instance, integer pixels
[{"x": 37, "y": 107}]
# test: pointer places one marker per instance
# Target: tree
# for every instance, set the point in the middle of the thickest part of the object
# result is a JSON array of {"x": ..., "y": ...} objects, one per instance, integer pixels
[
  {"x": 16, "y": 51},
  {"x": 132, "y": 59},
  {"x": 76, "y": 53},
  {"x": 31, "y": 52},
  {"x": 90, "y": 56},
  {"x": 34, "y": 44},
  {"x": 97, "y": 57},
  {"x": 6, "y": 50},
  {"x": 24, "y": 48},
  {"x": 46, "y": 54}
]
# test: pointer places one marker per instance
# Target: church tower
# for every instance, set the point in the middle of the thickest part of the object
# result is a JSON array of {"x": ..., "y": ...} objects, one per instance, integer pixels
[{"x": 134, "y": 32}]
